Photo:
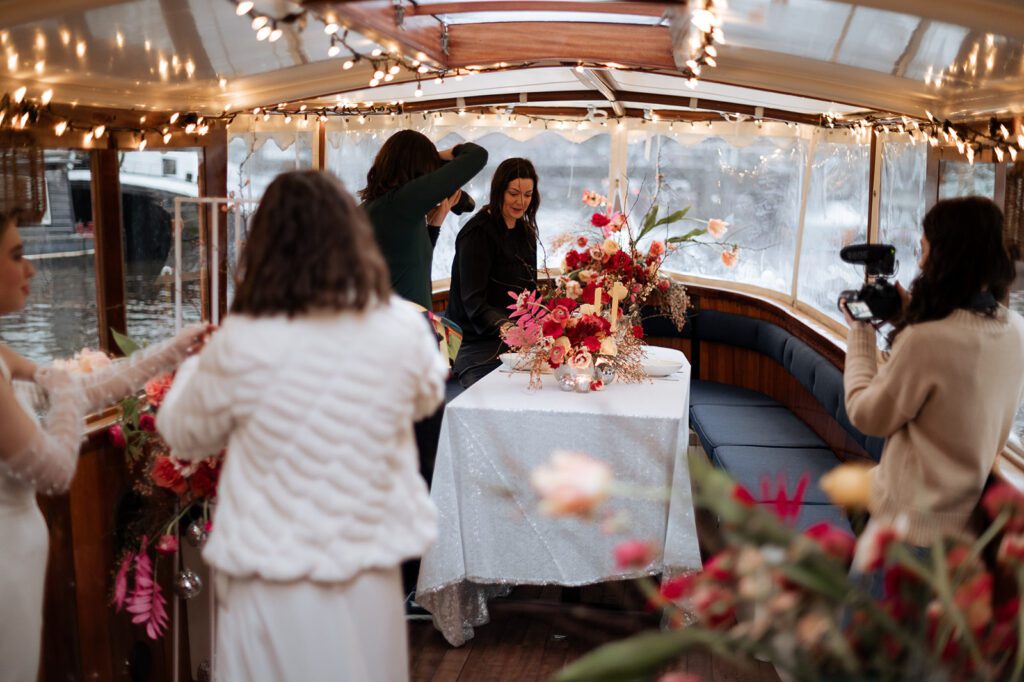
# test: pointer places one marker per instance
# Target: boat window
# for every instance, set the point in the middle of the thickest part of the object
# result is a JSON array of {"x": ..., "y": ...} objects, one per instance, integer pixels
[
  {"x": 902, "y": 202},
  {"x": 752, "y": 182},
  {"x": 148, "y": 196},
  {"x": 60, "y": 317},
  {"x": 963, "y": 179},
  {"x": 836, "y": 216}
]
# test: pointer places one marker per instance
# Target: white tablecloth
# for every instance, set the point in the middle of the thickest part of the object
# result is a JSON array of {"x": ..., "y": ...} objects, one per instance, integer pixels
[{"x": 492, "y": 535}]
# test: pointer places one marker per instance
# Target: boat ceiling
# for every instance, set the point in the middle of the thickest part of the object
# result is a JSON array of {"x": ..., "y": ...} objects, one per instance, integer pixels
[{"x": 961, "y": 60}]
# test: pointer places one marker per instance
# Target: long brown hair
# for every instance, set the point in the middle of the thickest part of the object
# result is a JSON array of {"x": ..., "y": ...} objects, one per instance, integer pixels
[
  {"x": 10, "y": 217},
  {"x": 966, "y": 256},
  {"x": 507, "y": 171},
  {"x": 405, "y": 156},
  {"x": 309, "y": 246}
]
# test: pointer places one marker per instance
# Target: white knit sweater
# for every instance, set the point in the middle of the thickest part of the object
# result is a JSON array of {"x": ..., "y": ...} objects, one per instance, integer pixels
[{"x": 321, "y": 479}]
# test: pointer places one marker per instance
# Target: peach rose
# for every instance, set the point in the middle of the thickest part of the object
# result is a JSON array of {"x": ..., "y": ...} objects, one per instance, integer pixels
[
  {"x": 608, "y": 346},
  {"x": 657, "y": 249},
  {"x": 610, "y": 246},
  {"x": 573, "y": 290},
  {"x": 157, "y": 387},
  {"x": 848, "y": 485},
  {"x": 586, "y": 276},
  {"x": 730, "y": 258},
  {"x": 717, "y": 228},
  {"x": 582, "y": 360},
  {"x": 571, "y": 484}
]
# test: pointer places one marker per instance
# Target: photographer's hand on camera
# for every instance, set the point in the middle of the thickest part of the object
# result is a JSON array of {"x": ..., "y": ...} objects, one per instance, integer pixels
[{"x": 436, "y": 216}]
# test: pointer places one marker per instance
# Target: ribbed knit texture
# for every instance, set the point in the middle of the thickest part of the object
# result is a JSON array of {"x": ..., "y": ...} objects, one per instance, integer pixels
[
  {"x": 321, "y": 477},
  {"x": 945, "y": 400}
]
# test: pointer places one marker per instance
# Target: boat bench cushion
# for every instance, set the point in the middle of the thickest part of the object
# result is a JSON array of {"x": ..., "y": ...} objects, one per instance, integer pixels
[
  {"x": 749, "y": 465},
  {"x": 714, "y": 393},
  {"x": 775, "y": 427}
]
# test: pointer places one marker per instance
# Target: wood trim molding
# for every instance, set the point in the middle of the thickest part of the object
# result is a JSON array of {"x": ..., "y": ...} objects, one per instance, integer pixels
[
  {"x": 109, "y": 233},
  {"x": 642, "y": 9}
]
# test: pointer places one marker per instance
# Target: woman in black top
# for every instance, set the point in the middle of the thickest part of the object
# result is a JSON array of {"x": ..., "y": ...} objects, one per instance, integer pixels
[{"x": 496, "y": 252}]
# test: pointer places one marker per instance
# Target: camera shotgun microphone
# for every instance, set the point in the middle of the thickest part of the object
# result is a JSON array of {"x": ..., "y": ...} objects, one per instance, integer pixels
[{"x": 877, "y": 259}]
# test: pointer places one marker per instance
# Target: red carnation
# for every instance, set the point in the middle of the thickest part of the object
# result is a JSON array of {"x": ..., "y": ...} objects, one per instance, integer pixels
[
  {"x": 166, "y": 475},
  {"x": 147, "y": 423},
  {"x": 638, "y": 331},
  {"x": 592, "y": 344},
  {"x": 204, "y": 481},
  {"x": 832, "y": 540},
  {"x": 167, "y": 544},
  {"x": 599, "y": 220},
  {"x": 552, "y": 328},
  {"x": 572, "y": 260},
  {"x": 116, "y": 434}
]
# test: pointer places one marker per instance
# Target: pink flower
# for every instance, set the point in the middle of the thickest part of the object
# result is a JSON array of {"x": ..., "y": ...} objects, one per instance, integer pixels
[
  {"x": 616, "y": 222},
  {"x": 664, "y": 284},
  {"x": 657, "y": 249},
  {"x": 599, "y": 220},
  {"x": 582, "y": 359},
  {"x": 633, "y": 554},
  {"x": 147, "y": 423},
  {"x": 581, "y": 241},
  {"x": 166, "y": 475},
  {"x": 116, "y": 434},
  {"x": 1004, "y": 496},
  {"x": 157, "y": 388},
  {"x": 717, "y": 228},
  {"x": 875, "y": 541},
  {"x": 558, "y": 315},
  {"x": 594, "y": 199},
  {"x": 147, "y": 603},
  {"x": 572, "y": 484},
  {"x": 596, "y": 385},
  {"x": 167, "y": 544},
  {"x": 730, "y": 258},
  {"x": 1011, "y": 549},
  {"x": 557, "y": 356},
  {"x": 121, "y": 580}
]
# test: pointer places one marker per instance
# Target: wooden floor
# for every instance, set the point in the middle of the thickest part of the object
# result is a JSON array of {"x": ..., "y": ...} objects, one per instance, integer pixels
[{"x": 536, "y": 631}]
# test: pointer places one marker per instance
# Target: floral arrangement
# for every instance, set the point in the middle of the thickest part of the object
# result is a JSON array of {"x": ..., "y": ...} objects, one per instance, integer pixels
[
  {"x": 772, "y": 593},
  {"x": 168, "y": 494},
  {"x": 609, "y": 264},
  {"x": 85, "y": 361}
]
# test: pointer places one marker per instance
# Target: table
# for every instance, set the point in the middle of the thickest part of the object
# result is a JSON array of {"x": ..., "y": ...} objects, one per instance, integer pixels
[{"x": 491, "y": 534}]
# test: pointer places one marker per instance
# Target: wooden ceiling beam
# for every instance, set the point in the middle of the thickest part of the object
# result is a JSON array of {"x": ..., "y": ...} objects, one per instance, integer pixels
[
  {"x": 378, "y": 21},
  {"x": 17, "y": 12},
  {"x": 643, "y": 9},
  {"x": 988, "y": 16},
  {"x": 595, "y": 43}
]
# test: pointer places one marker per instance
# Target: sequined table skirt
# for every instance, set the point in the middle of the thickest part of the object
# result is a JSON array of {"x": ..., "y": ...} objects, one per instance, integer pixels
[{"x": 492, "y": 536}]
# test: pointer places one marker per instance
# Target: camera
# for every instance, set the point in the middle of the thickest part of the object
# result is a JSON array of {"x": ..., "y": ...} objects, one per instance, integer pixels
[
  {"x": 465, "y": 204},
  {"x": 878, "y": 299}
]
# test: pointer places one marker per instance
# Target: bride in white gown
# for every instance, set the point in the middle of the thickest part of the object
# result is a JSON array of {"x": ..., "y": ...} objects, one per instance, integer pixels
[{"x": 42, "y": 458}]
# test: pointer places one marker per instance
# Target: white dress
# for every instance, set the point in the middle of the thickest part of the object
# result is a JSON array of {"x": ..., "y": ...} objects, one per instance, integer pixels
[{"x": 24, "y": 543}]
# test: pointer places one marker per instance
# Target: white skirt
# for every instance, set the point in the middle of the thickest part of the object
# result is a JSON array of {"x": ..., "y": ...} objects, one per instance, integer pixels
[
  {"x": 330, "y": 632},
  {"x": 24, "y": 542}
]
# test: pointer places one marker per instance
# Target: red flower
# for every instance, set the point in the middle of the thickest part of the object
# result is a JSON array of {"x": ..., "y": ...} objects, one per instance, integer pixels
[
  {"x": 677, "y": 588},
  {"x": 638, "y": 331},
  {"x": 599, "y": 220},
  {"x": 1004, "y": 496},
  {"x": 567, "y": 303},
  {"x": 592, "y": 343},
  {"x": 633, "y": 554},
  {"x": 166, "y": 475},
  {"x": 552, "y": 328},
  {"x": 204, "y": 481},
  {"x": 581, "y": 241},
  {"x": 596, "y": 385},
  {"x": 742, "y": 495},
  {"x": 572, "y": 260},
  {"x": 167, "y": 544},
  {"x": 157, "y": 388},
  {"x": 147, "y": 423},
  {"x": 116, "y": 434},
  {"x": 664, "y": 284},
  {"x": 720, "y": 567},
  {"x": 833, "y": 541}
]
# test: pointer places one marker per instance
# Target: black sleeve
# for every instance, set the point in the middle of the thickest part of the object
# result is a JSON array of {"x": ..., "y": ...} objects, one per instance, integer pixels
[
  {"x": 433, "y": 231},
  {"x": 418, "y": 196},
  {"x": 474, "y": 261}
]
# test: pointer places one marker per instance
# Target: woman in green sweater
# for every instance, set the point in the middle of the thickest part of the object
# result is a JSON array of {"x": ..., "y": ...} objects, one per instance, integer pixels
[
  {"x": 409, "y": 179},
  {"x": 946, "y": 398}
]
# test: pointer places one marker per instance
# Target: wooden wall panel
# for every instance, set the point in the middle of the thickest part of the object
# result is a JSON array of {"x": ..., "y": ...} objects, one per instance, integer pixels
[{"x": 106, "y": 215}]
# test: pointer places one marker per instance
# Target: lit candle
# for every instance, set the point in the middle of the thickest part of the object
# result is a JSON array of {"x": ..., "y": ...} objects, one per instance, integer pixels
[
  {"x": 597, "y": 301},
  {"x": 618, "y": 293}
]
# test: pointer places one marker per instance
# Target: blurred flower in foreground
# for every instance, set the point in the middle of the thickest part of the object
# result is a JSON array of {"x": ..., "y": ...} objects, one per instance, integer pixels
[
  {"x": 848, "y": 485},
  {"x": 571, "y": 484}
]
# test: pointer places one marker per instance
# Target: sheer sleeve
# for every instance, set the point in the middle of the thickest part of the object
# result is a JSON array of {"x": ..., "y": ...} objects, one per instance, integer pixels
[
  {"x": 107, "y": 386},
  {"x": 48, "y": 454}
]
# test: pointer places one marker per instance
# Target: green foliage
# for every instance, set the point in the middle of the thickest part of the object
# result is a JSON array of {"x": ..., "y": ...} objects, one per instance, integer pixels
[{"x": 127, "y": 344}]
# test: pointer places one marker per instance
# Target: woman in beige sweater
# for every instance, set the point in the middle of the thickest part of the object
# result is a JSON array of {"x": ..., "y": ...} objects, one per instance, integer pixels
[{"x": 946, "y": 398}]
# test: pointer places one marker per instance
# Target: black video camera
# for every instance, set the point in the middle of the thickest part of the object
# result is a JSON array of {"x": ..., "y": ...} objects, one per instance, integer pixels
[
  {"x": 878, "y": 299},
  {"x": 465, "y": 204}
]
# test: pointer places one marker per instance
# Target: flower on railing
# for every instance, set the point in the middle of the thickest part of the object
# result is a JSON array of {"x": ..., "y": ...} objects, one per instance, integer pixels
[
  {"x": 772, "y": 593},
  {"x": 170, "y": 492},
  {"x": 85, "y": 361}
]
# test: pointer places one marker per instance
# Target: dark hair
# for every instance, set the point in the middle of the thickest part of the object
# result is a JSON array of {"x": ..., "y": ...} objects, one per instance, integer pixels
[
  {"x": 966, "y": 255},
  {"x": 405, "y": 156},
  {"x": 309, "y": 246},
  {"x": 507, "y": 171},
  {"x": 10, "y": 217}
]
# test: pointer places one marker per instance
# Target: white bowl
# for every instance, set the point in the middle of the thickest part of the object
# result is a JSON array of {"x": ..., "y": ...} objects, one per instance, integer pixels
[
  {"x": 662, "y": 362},
  {"x": 512, "y": 362}
]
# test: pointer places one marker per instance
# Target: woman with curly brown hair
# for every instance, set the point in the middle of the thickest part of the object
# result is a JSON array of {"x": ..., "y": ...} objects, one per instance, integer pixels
[
  {"x": 946, "y": 397},
  {"x": 312, "y": 384}
]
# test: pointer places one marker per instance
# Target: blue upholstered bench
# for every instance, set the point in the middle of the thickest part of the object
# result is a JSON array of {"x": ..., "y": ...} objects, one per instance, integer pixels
[{"x": 752, "y": 435}]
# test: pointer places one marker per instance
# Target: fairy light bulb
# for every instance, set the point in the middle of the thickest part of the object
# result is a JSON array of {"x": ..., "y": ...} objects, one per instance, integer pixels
[
  {"x": 99, "y": 130},
  {"x": 244, "y": 7},
  {"x": 60, "y": 128},
  {"x": 419, "y": 91},
  {"x": 259, "y": 22},
  {"x": 19, "y": 94},
  {"x": 374, "y": 82},
  {"x": 275, "y": 34},
  {"x": 190, "y": 128},
  {"x": 378, "y": 74},
  {"x": 80, "y": 48},
  {"x": 167, "y": 138},
  {"x": 87, "y": 138},
  {"x": 377, "y": 52},
  {"x": 333, "y": 50},
  {"x": 394, "y": 69},
  {"x": 12, "y": 62},
  {"x": 388, "y": 78},
  {"x": 142, "y": 143},
  {"x": 119, "y": 38},
  {"x": 348, "y": 64},
  {"x": 263, "y": 33},
  {"x": 47, "y": 96},
  {"x": 174, "y": 118}
]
